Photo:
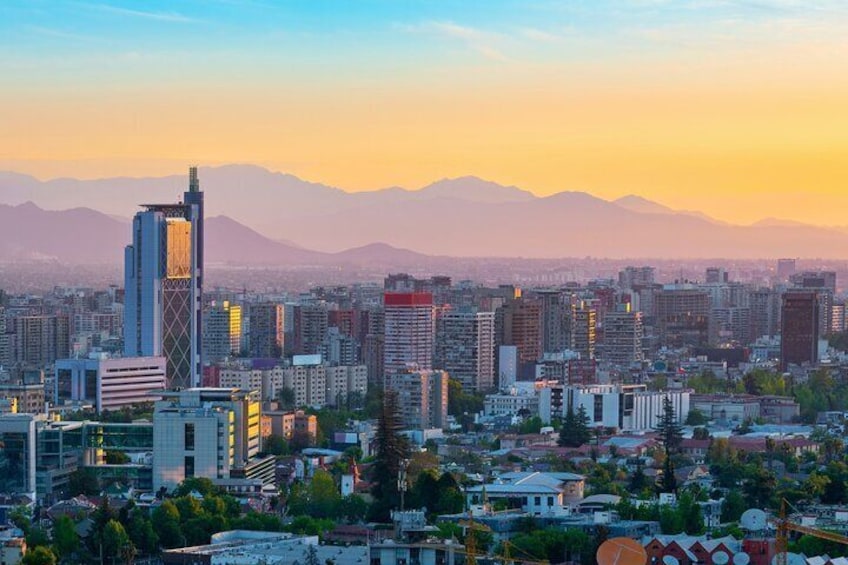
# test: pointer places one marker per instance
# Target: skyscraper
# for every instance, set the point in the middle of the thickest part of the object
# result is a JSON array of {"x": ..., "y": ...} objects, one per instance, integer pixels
[
  {"x": 799, "y": 336},
  {"x": 221, "y": 332},
  {"x": 266, "y": 330},
  {"x": 409, "y": 331},
  {"x": 163, "y": 275},
  {"x": 465, "y": 348}
]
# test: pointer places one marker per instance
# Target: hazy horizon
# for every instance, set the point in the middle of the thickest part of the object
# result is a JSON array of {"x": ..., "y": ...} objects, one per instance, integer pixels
[{"x": 732, "y": 108}]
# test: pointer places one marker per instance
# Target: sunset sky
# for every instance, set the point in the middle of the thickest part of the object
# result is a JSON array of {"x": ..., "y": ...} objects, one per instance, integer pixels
[{"x": 736, "y": 108}]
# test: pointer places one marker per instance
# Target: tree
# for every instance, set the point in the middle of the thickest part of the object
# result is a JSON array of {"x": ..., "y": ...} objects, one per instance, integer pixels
[
  {"x": 114, "y": 457},
  {"x": 696, "y": 418},
  {"x": 575, "y": 429},
  {"x": 287, "y": 398},
  {"x": 733, "y": 506},
  {"x": 39, "y": 556},
  {"x": 83, "y": 481},
  {"x": 324, "y": 497},
  {"x": 117, "y": 547},
  {"x": 275, "y": 445},
  {"x": 392, "y": 450},
  {"x": 701, "y": 433},
  {"x": 141, "y": 532},
  {"x": 65, "y": 538},
  {"x": 670, "y": 435},
  {"x": 166, "y": 524}
]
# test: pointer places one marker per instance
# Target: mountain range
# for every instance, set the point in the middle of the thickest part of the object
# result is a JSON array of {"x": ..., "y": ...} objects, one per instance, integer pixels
[{"x": 255, "y": 216}]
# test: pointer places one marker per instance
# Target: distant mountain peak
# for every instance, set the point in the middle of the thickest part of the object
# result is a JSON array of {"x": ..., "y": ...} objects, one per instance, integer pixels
[
  {"x": 476, "y": 189},
  {"x": 641, "y": 205}
]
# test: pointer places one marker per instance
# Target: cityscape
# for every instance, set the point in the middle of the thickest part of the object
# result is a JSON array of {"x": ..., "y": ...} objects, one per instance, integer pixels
[{"x": 632, "y": 349}]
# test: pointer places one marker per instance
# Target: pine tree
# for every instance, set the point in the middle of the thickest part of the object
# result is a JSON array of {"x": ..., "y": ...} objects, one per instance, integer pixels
[
  {"x": 575, "y": 428},
  {"x": 670, "y": 435},
  {"x": 392, "y": 449}
]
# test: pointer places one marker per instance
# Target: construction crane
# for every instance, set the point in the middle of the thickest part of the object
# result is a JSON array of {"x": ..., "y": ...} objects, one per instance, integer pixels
[
  {"x": 472, "y": 554},
  {"x": 784, "y": 526}
]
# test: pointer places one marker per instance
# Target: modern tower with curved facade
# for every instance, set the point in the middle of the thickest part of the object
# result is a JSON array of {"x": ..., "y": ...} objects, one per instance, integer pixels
[{"x": 163, "y": 275}]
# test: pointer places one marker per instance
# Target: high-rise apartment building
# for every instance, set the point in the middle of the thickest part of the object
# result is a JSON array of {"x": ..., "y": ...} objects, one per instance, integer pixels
[
  {"x": 583, "y": 330},
  {"x": 221, "y": 332},
  {"x": 799, "y": 335},
  {"x": 266, "y": 330},
  {"x": 310, "y": 327},
  {"x": 409, "y": 331},
  {"x": 521, "y": 327},
  {"x": 785, "y": 269},
  {"x": 422, "y": 397},
  {"x": 683, "y": 314},
  {"x": 39, "y": 340},
  {"x": 765, "y": 312},
  {"x": 163, "y": 274},
  {"x": 623, "y": 334},
  {"x": 465, "y": 348}
]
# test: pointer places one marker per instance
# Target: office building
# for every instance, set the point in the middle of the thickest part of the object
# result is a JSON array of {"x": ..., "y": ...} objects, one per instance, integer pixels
[
  {"x": 108, "y": 384},
  {"x": 266, "y": 330},
  {"x": 785, "y": 269},
  {"x": 221, "y": 332},
  {"x": 799, "y": 335},
  {"x": 339, "y": 348},
  {"x": 17, "y": 458},
  {"x": 422, "y": 398},
  {"x": 163, "y": 274},
  {"x": 409, "y": 331},
  {"x": 204, "y": 432},
  {"x": 465, "y": 348}
]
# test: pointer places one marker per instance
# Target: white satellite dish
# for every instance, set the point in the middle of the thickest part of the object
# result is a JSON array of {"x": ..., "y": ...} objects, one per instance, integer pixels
[
  {"x": 670, "y": 560},
  {"x": 791, "y": 559},
  {"x": 721, "y": 558},
  {"x": 741, "y": 559},
  {"x": 753, "y": 520}
]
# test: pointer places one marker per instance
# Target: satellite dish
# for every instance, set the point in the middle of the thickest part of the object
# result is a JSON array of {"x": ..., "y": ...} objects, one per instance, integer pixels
[
  {"x": 721, "y": 558},
  {"x": 741, "y": 559},
  {"x": 670, "y": 560},
  {"x": 753, "y": 520},
  {"x": 791, "y": 559},
  {"x": 621, "y": 551}
]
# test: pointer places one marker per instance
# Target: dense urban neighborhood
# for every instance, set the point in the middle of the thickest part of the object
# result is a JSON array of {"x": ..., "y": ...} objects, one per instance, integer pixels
[{"x": 422, "y": 420}]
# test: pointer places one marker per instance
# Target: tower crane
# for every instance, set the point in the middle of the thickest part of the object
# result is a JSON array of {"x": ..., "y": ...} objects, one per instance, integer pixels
[{"x": 785, "y": 525}]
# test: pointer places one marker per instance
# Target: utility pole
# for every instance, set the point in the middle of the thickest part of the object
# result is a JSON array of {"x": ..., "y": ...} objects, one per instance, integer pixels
[{"x": 404, "y": 463}]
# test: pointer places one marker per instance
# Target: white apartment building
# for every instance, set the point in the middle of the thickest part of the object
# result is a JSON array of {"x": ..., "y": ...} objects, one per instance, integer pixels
[
  {"x": 409, "y": 331},
  {"x": 624, "y": 407}
]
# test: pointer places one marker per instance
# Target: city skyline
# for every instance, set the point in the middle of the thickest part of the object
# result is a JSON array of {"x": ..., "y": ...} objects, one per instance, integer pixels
[{"x": 731, "y": 108}]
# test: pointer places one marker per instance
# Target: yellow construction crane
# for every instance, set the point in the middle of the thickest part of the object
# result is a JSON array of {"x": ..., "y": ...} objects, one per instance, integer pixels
[
  {"x": 784, "y": 526},
  {"x": 472, "y": 554}
]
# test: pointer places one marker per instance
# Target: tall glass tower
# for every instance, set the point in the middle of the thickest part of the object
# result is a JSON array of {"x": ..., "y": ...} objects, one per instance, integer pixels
[{"x": 163, "y": 276}]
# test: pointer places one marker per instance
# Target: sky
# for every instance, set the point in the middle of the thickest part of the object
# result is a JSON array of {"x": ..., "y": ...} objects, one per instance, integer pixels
[{"x": 737, "y": 108}]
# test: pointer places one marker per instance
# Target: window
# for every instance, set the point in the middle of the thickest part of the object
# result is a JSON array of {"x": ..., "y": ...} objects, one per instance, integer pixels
[
  {"x": 550, "y": 501},
  {"x": 537, "y": 501},
  {"x": 189, "y": 437},
  {"x": 189, "y": 466},
  {"x": 598, "y": 408}
]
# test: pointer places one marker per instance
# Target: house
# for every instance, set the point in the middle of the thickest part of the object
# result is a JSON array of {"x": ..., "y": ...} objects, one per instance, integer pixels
[{"x": 535, "y": 493}]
